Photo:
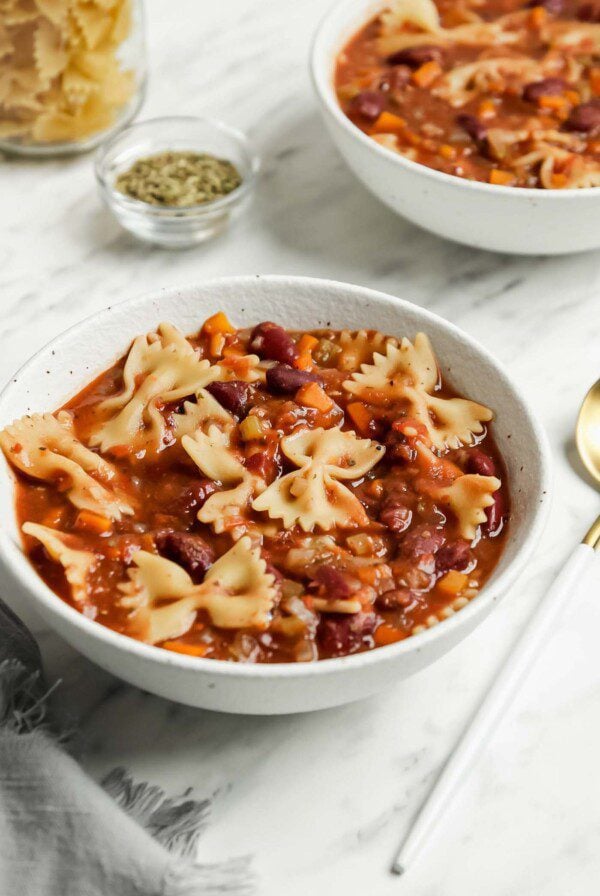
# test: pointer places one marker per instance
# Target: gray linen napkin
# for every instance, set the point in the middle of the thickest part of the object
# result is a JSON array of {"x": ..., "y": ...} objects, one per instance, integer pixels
[{"x": 63, "y": 835}]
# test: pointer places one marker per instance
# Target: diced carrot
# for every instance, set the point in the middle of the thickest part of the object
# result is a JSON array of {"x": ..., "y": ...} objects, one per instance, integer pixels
[
  {"x": 434, "y": 467},
  {"x": 304, "y": 361},
  {"x": 426, "y": 74},
  {"x": 412, "y": 138},
  {"x": 313, "y": 396},
  {"x": 367, "y": 574},
  {"x": 573, "y": 96},
  {"x": 594, "y": 146},
  {"x": 501, "y": 178},
  {"x": 376, "y": 488},
  {"x": 233, "y": 352},
  {"x": 447, "y": 151},
  {"x": 559, "y": 180},
  {"x": 93, "y": 522},
  {"x": 306, "y": 343},
  {"x": 595, "y": 81},
  {"x": 452, "y": 583},
  {"x": 361, "y": 416},
  {"x": 487, "y": 109},
  {"x": 553, "y": 102},
  {"x": 387, "y": 634},
  {"x": 188, "y": 649},
  {"x": 240, "y": 364},
  {"x": 388, "y": 123},
  {"x": 309, "y": 602},
  {"x": 537, "y": 17},
  {"x": 217, "y": 343},
  {"x": 218, "y": 323}
]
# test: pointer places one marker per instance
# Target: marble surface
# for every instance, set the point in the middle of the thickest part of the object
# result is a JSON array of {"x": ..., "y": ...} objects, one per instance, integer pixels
[{"x": 321, "y": 801}]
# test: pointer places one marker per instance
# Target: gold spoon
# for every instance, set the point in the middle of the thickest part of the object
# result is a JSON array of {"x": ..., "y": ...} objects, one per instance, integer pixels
[
  {"x": 537, "y": 632},
  {"x": 587, "y": 438}
]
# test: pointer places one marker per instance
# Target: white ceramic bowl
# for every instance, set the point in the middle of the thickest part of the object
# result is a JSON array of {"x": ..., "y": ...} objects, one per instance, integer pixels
[
  {"x": 504, "y": 219},
  {"x": 60, "y": 369}
]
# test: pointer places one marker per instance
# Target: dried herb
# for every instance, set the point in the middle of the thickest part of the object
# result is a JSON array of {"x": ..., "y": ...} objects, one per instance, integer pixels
[{"x": 179, "y": 179}]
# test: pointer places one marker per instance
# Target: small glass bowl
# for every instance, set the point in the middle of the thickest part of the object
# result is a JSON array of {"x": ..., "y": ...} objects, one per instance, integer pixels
[{"x": 170, "y": 226}]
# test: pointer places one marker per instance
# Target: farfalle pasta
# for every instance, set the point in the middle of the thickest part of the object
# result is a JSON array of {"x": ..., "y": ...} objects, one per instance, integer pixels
[
  {"x": 507, "y": 94},
  {"x": 315, "y": 496},
  {"x": 263, "y": 495},
  {"x": 45, "y": 448},
  {"x": 409, "y": 373},
  {"x": 237, "y": 592},
  {"x": 161, "y": 368},
  {"x": 77, "y": 564},
  {"x": 213, "y": 454},
  {"x": 61, "y": 76}
]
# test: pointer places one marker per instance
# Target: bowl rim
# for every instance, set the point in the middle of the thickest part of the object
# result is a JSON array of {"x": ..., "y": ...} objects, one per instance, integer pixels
[
  {"x": 170, "y": 212},
  {"x": 17, "y": 564},
  {"x": 323, "y": 87}
]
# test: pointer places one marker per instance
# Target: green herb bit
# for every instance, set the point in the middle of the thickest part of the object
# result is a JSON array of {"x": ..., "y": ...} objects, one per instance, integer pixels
[{"x": 179, "y": 179}]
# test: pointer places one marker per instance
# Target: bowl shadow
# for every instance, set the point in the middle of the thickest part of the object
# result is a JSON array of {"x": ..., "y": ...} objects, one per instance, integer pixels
[{"x": 309, "y": 201}]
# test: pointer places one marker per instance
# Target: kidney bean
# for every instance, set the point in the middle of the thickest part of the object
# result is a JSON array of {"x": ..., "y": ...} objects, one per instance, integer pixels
[
  {"x": 284, "y": 379},
  {"x": 334, "y": 582},
  {"x": 416, "y": 56},
  {"x": 481, "y": 463},
  {"x": 472, "y": 126},
  {"x": 270, "y": 341},
  {"x": 265, "y": 464},
  {"x": 546, "y": 87},
  {"x": 232, "y": 395},
  {"x": 396, "y": 516},
  {"x": 495, "y": 515},
  {"x": 189, "y": 551},
  {"x": 369, "y": 104},
  {"x": 394, "y": 599},
  {"x": 398, "y": 447},
  {"x": 589, "y": 12},
  {"x": 585, "y": 117},
  {"x": 421, "y": 540},
  {"x": 340, "y": 634},
  {"x": 456, "y": 555},
  {"x": 197, "y": 493}
]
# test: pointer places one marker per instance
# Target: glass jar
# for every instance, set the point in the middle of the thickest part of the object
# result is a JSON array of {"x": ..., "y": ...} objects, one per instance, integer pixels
[{"x": 70, "y": 74}]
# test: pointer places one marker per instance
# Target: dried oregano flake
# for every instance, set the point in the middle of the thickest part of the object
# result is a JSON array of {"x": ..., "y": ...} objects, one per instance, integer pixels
[{"x": 179, "y": 179}]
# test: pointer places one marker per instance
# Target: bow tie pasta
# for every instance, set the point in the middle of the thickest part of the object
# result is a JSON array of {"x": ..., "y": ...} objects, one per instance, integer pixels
[
  {"x": 46, "y": 449},
  {"x": 237, "y": 592},
  {"x": 409, "y": 374},
  {"x": 160, "y": 368},
  {"x": 77, "y": 564},
  {"x": 314, "y": 495}
]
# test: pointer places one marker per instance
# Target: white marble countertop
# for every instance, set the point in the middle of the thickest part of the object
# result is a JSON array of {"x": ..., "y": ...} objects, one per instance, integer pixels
[{"x": 321, "y": 801}]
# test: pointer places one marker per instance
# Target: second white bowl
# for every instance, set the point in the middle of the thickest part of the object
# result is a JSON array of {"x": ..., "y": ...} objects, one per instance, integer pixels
[{"x": 503, "y": 219}]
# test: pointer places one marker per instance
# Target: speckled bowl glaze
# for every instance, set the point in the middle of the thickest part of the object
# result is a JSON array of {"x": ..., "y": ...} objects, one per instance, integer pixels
[
  {"x": 63, "y": 367},
  {"x": 503, "y": 219}
]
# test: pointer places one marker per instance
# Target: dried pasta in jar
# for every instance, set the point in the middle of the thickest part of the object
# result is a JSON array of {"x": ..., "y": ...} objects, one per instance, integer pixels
[{"x": 70, "y": 71}]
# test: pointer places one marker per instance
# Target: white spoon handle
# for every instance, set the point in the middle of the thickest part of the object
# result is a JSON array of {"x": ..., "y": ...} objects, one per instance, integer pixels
[{"x": 535, "y": 635}]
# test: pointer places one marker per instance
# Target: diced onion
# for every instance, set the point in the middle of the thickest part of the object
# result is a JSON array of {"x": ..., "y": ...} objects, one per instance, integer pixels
[{"x": 251, "y": 428}]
